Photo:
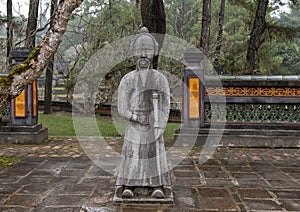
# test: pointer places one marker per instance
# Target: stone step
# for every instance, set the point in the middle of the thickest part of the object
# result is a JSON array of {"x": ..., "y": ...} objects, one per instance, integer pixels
[{"x": 239, "y": 137}]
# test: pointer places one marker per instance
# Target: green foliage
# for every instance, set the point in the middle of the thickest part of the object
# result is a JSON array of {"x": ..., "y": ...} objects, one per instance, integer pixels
[
  {"x": 270, "y": 65},
  {"x": 96, "y": 24},
  {"x": 182, "y": 16},
  {"x": 8, "y": 161},
  {"x": 99, "y": 22},
  {"x": 237, "y": 28},
  {"x": 287, "y": 49},
  {"x": 239, "y": 17},
  {"x": 248, "y": 5},
  {"x": 278, "y": 53},
  {"x": 112, "y": 22},
  {"x": 109, "y": 85},
  {"x": 170, "y": 65},
  {"x": 288, "y": 54}
]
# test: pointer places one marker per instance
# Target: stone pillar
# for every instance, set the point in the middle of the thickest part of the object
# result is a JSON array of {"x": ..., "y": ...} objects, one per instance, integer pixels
[
  {"x": 24, "y": 107},
  {"x": 19, "y": 54},
  {"x": 23, "y": 125},
  {"x": 193, "y": 90}
]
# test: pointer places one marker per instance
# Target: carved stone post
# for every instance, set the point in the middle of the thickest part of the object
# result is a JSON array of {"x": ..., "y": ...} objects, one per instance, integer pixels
[
  {"x": 193, "y": 90},
  {"x": 22, "y": 125},
  {"x": 24, "y": 107}
]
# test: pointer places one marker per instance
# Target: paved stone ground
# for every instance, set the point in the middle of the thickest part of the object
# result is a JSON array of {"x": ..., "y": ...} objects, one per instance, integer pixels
[{"x": 58, "y": 176}]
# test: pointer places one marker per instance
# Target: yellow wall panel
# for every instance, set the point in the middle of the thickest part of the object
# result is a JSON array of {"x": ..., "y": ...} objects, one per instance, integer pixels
[
  {"x": 20, "y": 105},
  {"x": 34, "y": 99},
  {"x": 194, "y": 97}
]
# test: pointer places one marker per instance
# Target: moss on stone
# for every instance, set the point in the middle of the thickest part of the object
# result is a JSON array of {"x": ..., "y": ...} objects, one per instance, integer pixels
[
  {"x": 6, "y": 161},
  {"x": 21, "y": 68}
]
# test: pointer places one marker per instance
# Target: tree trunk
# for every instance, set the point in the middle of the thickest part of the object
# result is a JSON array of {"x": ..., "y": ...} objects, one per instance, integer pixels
[
  {"x": 257, "y": 32},
  {"x": 220, "y": 36},
  {"x": 154, "y": 18},
  {"x": 48, "y": 88},
  {"x": 49, "y": 70},
  {"x": 33, "y": 66},
  {"x": 32, "y": 24},
  {"x": 205, "y": 30},
  {"x": 9, "y": 43}
]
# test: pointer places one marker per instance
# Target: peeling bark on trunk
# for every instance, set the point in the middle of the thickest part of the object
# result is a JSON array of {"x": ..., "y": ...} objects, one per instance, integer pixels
[
  {"x": 23, "y": 74},
  {"x": 49, "y": 70},
  {"x": 257, "y": 32},
  {"x": 154, "y": 18}
]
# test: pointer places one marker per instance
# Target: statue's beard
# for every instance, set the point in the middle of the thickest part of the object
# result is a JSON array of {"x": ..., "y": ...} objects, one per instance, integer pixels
[{"x": 143, "y": 64}]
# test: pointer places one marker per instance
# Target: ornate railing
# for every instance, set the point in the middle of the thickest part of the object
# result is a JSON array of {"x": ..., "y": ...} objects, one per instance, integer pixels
[
  {"x": 238, "y": 100},
  {"x": 6, "y": 115},
  {"x": 252, "y": 100},
  {"x": 254, "y": 113}
]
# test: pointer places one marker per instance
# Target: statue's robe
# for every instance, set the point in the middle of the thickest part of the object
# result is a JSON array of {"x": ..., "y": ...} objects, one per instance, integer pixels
[{"x": 144, "y": 160}]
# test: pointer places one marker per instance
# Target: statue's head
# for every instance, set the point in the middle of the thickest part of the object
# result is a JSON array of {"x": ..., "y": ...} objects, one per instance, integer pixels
[{"x": 144, "y": 47}]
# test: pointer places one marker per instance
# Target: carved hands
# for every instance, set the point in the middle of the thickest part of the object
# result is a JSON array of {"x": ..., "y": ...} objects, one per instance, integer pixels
[{"x": 143, "y": 120}]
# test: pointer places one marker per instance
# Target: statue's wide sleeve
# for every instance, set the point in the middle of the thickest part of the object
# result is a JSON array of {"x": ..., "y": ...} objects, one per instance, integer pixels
[
  {"x": 124, "y": 92},
  {"x": 164, "y": 101}
]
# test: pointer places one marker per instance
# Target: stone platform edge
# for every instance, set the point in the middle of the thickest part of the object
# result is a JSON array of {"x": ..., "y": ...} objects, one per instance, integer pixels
[
  {"x": 267, "y": 138},
  {"x": 23, "y": 135}
]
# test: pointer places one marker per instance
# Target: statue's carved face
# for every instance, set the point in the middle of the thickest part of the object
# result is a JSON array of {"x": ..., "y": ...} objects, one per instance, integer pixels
[{"x": 144, "y": 47}]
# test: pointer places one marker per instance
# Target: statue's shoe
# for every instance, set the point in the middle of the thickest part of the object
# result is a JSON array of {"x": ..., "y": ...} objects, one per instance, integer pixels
[
  {"x": 158, "y": 193},
  {"x": 127, "y": 193}
]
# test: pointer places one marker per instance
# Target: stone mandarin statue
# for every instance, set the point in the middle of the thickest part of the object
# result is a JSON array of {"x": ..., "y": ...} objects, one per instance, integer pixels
[{"x": 144, "y": 101}]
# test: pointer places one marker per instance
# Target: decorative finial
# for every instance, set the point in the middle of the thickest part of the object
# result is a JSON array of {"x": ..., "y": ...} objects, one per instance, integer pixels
[{"x": 144, "y": 30}]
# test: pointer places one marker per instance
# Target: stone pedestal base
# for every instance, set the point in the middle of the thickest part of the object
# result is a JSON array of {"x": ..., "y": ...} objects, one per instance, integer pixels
[
  {"x": 23, "y": 134},
  {"x": 144, "y": 197}
]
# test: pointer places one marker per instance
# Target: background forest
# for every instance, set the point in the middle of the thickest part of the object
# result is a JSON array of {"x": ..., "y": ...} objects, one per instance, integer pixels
[{"x": 222, "y": 28}]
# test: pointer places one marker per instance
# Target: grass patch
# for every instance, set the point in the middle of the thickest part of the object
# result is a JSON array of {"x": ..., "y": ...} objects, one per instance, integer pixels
[
  {"x": 61, "y": 124},
  {"x": 169, "y": 132},
  {"x": 58, "y": 124},
  {"x": 6, "y": 162}
]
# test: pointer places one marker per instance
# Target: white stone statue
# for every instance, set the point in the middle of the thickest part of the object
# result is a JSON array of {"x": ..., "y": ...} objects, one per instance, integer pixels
[{"x": 144, "y": 101}]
